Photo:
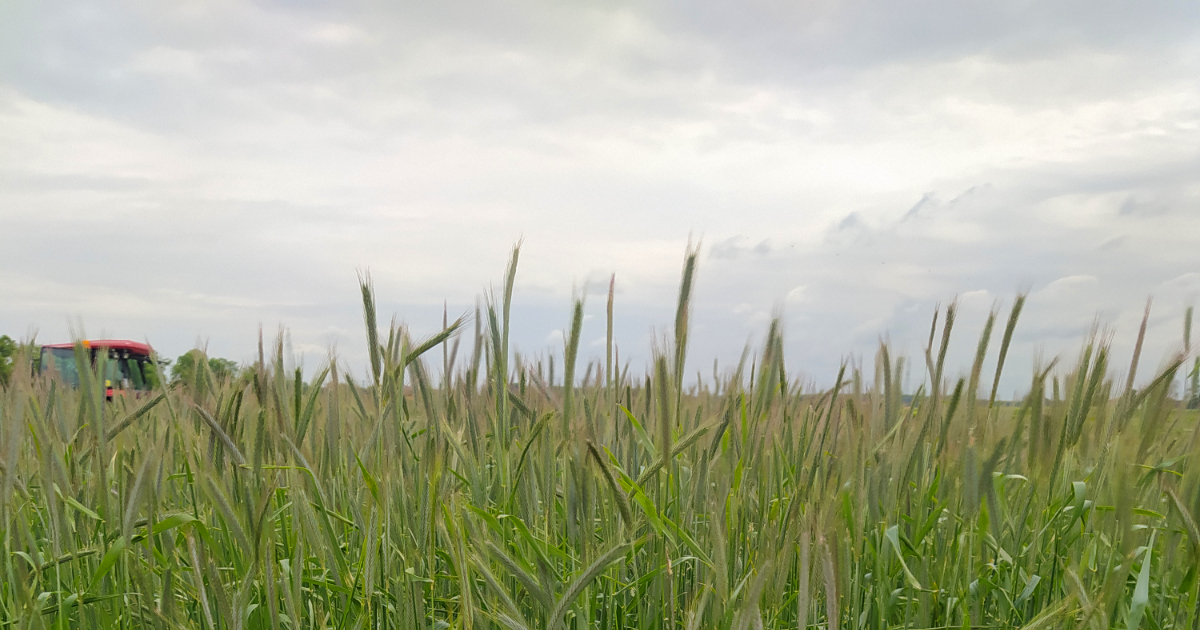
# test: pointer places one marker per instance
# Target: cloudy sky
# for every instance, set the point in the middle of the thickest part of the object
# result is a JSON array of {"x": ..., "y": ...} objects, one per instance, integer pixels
[{"x": 185, "y": 172}]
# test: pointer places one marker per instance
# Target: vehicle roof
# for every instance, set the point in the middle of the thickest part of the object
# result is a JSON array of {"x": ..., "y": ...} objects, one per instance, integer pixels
[{"x": 113, "y": 344}]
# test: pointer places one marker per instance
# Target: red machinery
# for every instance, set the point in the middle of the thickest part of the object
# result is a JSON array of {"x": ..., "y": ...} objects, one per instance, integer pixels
[{"x": 126, "y": 364}]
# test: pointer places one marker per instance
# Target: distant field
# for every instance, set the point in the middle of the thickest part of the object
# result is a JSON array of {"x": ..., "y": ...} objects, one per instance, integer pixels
[{"x": 603, "y": 499}]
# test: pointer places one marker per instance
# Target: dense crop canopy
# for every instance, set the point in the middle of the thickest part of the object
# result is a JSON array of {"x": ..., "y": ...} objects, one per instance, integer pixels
[{"x": 500, "y": 498}]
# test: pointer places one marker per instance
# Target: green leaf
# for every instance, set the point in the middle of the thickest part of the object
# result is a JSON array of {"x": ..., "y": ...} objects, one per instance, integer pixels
[
  {"x": 893, "y": 536},
  {"x": 580, "y": 583},
  {"x": 1141, "y": 592},
  {"x": 639, "y": 432},
  {"x": 83, "y": 509},
  {"x": 371, "y": 484},
  {"x": 173, "y": 521},
  {"x": 1025, "y": 594},
  {"x": 110, "y": 558}
]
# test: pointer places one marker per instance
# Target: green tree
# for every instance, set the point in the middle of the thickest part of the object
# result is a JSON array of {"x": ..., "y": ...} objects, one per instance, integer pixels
[
  {"x": 8, "y": 354},
  {"x": 151, "y": 372},
  {"x": 183, "y": 370},
  {"x": 223, "y": 368}
]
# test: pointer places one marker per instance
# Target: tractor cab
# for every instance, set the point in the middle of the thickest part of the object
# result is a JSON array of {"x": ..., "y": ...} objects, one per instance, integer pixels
[{"x": 127, "y": 364}]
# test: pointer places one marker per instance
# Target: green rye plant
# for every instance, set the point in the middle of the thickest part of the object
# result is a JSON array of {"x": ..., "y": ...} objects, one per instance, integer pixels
[{"x": 497, "y": 496}]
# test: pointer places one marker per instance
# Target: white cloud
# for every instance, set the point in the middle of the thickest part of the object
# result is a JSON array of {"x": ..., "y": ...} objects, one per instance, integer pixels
[
  {"x": 170, "y": 63},
  {"x": 337, "y": 33},
  {"x": 796, "y": 295},
  {"x": 1069, "y": 287}
]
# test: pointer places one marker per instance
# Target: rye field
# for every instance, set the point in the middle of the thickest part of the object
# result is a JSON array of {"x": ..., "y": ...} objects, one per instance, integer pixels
[{"x": 507, "y": 496}]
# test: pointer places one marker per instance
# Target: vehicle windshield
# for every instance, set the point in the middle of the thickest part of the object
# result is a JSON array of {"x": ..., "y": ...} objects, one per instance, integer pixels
[{"x": 61, "y": 361}]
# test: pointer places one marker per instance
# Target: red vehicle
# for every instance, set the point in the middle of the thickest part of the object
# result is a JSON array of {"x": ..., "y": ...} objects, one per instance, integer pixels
[{"x": 127, "y": 364}]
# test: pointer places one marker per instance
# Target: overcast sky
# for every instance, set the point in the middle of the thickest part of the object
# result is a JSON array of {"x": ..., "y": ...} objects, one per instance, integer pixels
[{"x": 185, "y": 172}]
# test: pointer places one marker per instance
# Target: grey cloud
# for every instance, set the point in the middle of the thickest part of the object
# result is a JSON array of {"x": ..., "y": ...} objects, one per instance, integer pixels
[
  {"x": 204, "y": 168},
  {"x": 889, "y": 277},
  {"x": 737, "y": 246},
  {"x": 926, "y": 200},
  {"x": 811, "y": 39}
]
